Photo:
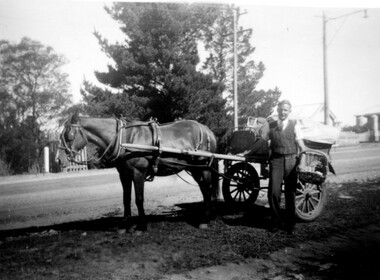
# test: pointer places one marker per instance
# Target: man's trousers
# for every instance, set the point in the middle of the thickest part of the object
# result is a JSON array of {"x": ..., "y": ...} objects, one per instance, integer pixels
[{"x": 283, "y": 168}]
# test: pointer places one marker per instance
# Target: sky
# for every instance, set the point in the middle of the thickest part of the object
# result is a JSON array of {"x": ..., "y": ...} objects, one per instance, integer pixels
[{"x": 287, "y": 36}]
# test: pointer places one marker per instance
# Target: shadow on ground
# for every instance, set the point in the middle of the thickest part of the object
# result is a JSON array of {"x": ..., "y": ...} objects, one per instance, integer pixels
[{"x": 254, "y": 216}]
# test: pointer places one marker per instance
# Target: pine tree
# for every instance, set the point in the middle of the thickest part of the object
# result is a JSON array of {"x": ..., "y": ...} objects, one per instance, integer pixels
[{"x": 154, "y": 69}]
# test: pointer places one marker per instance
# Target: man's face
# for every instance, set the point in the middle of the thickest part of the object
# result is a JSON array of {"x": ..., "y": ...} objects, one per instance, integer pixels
[{"x": 283, "y": 111}]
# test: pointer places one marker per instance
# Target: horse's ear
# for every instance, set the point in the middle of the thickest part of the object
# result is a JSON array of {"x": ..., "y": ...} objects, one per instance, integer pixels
[{"x": 75, "y": 117}]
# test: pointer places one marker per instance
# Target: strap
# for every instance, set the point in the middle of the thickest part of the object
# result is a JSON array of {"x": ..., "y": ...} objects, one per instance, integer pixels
[
  {"x": 156, "y": 141},
  {"x": 118, "y": 140},
  {"x": 200, "y": 140}
]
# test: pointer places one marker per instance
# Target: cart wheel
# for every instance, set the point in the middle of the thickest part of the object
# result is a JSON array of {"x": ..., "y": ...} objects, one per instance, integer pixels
[
  {"x": 242, "y": 186},
  {"x": 310, "y": 201}
]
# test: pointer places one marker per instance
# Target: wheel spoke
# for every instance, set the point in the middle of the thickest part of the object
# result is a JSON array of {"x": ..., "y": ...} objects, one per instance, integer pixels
[
  {"x": 234, "y": 184},
  {"x": 236, "y": 179},
  {"x": 312, "y": 198},
  {"x": 313, "y": 192},
  {"x": 299, "y": 203},
  {"x": 300, "y": 192},
  {"x": 302, "y": 189},
  {"x": 237, "y": 193},
  {"x": 311, "y": 206},
  {"x": 234, "y": 190},
  {"x": 249, "y": 193},
  {"x": 303, "y": 206}
]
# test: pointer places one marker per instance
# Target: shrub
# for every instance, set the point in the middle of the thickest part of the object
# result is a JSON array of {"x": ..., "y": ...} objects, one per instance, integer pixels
[{"x": 5, "y": 168}]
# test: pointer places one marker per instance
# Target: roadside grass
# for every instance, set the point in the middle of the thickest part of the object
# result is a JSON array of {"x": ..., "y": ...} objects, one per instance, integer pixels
[{"x": 94, "y": 250}]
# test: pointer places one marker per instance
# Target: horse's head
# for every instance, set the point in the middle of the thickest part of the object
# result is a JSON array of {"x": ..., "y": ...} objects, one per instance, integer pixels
[{"x": 72, "y": 141}]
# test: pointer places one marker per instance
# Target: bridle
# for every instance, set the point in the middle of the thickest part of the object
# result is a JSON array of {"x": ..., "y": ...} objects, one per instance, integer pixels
[{"x": 70, "y": 151}]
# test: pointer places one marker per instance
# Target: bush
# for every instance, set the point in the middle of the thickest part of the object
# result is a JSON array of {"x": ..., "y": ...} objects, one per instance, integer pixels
[
  {"x": 5, "y": 168},
  {"x": 35, "y": 168}
]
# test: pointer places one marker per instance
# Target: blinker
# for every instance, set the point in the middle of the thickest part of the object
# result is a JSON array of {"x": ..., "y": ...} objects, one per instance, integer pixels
[{"x": 71, "y": 135}]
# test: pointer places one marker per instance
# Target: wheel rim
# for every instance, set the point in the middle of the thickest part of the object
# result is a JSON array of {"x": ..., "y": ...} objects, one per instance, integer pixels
[{"x": 308, "y": 198}]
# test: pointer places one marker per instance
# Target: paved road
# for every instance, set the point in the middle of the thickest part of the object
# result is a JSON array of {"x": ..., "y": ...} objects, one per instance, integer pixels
[
  {"x": 56, "y": 198},
  {"x": 363, "y": 158}
]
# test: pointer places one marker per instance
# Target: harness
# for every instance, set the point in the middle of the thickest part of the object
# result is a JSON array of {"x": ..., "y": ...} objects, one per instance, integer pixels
[{"x": 121, "y": 126}]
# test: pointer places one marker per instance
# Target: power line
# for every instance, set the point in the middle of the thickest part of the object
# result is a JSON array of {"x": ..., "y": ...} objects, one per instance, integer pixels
[{"x": 336, "y": 32}]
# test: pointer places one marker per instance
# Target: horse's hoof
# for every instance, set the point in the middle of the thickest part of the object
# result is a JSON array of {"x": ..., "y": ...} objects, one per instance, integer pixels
[{"x": 203, "y": 226}]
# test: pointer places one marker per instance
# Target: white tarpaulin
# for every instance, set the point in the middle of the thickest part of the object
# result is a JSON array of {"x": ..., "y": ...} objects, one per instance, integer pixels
[{"x": 318, "y": 132}]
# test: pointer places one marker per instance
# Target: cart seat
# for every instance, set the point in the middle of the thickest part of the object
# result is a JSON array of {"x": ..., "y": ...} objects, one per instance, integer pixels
[{"x": 242, "y": 141}]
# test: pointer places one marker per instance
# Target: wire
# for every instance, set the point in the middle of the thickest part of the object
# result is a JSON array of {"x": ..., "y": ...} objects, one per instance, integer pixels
[{"x": 336, "y": 32}]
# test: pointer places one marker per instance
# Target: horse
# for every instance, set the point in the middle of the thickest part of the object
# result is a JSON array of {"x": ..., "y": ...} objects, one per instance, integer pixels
[{"x": 137, "y": 166}]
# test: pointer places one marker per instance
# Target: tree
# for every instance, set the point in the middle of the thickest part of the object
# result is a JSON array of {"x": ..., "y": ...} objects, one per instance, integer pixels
[
  {"x": 31, "y": 75},
  {"x": 34, "y": 91},
  {"x": 219, "y": 44},
  {"x": 154, "y": 70}
]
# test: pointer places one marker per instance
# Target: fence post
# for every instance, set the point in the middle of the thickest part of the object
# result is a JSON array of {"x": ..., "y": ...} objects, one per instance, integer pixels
[{"x": 46, "y": 160}]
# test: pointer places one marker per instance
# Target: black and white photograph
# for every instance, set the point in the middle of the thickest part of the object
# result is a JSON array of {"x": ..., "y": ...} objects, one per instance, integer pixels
[{"x": 176, "y": 140}]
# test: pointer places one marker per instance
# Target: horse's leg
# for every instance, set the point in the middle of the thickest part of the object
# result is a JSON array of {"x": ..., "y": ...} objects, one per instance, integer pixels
[
  {"x": 203, "y": 178},
  {"x": 126, "y": 181},
  {"x": 139, "y": 181}
]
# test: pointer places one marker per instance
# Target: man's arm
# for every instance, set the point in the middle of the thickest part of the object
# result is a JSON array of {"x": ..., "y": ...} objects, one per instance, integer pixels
[
  {"x": 299, "y": 138},
  {"x": 301, "y": 145}
]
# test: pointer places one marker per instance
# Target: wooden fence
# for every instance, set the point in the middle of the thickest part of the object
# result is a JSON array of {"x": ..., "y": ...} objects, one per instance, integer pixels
[
  {"x": 82, "y": 156},
  {"x": 347, "y": 138}
]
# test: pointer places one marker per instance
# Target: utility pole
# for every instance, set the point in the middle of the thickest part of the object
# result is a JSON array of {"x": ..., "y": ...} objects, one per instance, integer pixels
[
  {"x": 326, "y": 107},
  {"x": 325, "y": 76},
  {"x": 236, "y": 15},
  {"x": 236, "y": 118}
]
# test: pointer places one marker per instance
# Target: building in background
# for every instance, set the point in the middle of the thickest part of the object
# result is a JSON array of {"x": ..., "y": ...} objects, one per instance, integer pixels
[{"x": 369, "y": 119}]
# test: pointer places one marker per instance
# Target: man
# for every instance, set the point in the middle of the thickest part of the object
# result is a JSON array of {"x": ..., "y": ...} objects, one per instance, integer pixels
[{"x": 286, "y": 140}]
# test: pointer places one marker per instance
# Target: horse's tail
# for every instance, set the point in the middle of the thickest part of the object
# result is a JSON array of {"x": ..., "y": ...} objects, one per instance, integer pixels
[
  {"x": 215, "y": 189},
  {"x": 210, "y": 145}
]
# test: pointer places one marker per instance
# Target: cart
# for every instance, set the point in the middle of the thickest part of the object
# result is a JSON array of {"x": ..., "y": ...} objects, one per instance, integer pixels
[{"x": 241, "y": 181}]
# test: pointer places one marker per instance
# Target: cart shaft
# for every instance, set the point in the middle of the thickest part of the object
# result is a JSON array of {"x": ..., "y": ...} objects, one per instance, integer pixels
[{"x": 131, "y": 147}]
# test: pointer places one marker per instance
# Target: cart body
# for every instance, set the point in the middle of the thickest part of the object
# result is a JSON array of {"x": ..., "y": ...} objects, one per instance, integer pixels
[{"x": 241, "y": 185}]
